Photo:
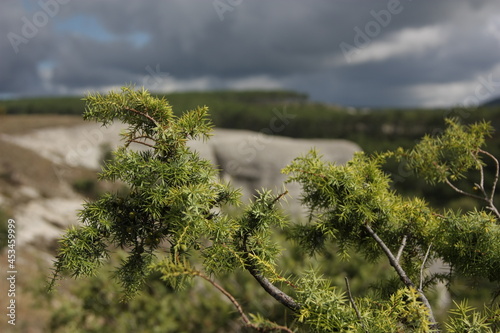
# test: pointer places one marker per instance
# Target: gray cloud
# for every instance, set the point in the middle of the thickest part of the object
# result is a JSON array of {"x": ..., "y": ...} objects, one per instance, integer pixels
[{"x": 282, "y": 43}]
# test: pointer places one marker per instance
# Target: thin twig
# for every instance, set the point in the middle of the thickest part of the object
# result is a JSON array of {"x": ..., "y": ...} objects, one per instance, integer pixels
[
  {"x": 145, "y": 137},
  {"x": 238, "y": 307},
  {"x": 401, "y": 248},
  {"x": 280, "y": 196},
  {"x": 487, "y": 198},
  {"x": 481, "y": 170},
  {"x": 495, "y": 182},
  {"x": 136, "y": 112},
  {"x": 422, "y": 268},
  {"x": 228, "y": 295},
  {"x": 392, "y": 260},
  {"x": 358, "y": 314},
  {"x": 139, "y": 142},
  {"x": 143, "y": 114},
  {"x": 402, "y": 274},
  {"x": 494, "y": 210},
  {"x": 497, "y": 171},
  {"x": 480, "y": 186},
  {"x": 463, "y": 192}
]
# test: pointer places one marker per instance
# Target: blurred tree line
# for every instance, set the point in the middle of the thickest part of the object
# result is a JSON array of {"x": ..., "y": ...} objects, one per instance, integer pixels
[{"x": 373, "y": 129}]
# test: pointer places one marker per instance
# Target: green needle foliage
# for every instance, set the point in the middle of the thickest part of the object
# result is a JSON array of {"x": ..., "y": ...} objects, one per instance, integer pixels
[{"x": 172, "y": 222}]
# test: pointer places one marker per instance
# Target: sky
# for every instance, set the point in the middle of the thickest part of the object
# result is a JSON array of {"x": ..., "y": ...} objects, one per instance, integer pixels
[{"x": 361, "y": 53}]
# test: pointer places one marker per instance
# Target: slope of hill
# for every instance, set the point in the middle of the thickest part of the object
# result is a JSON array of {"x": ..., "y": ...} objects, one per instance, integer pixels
[{"x": 492, "y": 103}]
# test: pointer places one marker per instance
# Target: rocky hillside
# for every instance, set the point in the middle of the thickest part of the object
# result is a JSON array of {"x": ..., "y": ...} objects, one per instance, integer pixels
[{"x": 48, "y": 167}]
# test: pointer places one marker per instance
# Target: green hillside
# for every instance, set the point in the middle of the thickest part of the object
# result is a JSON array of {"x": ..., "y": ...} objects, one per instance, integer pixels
[{"x": 268, "y": 111}]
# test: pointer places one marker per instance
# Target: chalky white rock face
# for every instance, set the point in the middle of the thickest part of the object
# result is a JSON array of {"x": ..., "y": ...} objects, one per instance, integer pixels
[
  {"x": 72, "y": 146},
  {"x": 249, "y": 160},
  {"x": 252, "y": 160},
  {"x": 44, "y": 219}
]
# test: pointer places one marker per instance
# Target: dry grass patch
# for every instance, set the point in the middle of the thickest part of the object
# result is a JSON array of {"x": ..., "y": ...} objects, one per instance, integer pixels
[{"x": 22, "y": 124}]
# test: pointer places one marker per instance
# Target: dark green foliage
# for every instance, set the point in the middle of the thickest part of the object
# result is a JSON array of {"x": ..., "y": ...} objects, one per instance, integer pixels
[
  {"x": 43, "y": 105},
  {"x": 172, "y": 191},
  {"x": 87, "y": 187}
]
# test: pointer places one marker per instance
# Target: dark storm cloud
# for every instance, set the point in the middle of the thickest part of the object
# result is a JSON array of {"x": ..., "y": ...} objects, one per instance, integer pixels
[
  {"x": 281, "y": 43},
  {"x": 19, "y": 71}
]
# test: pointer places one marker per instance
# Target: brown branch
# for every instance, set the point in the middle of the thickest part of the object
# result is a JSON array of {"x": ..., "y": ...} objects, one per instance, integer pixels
[
  {"x": 145, "y": 137},
  {"x": 228, "y": 295},
  {"x": 147, "y": 116},
  {"x": 238, "y": 307},
  {"x": 280, "y": 196},
  {"x": 139, "y": 142},
  {"x": 286, "y": 281},
  {"x": 438, "y": 215}
]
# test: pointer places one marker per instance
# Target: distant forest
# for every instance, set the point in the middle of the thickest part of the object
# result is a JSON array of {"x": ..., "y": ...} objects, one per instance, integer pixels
[
  {"x": 373, "y": 129},
  {"x": 292, "y": 114}
]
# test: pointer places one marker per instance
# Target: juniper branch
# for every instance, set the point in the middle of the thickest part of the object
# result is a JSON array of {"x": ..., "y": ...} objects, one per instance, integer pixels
[
  {"x": 400, "y": 271},
  {"x": 270, "y": 288},
  {"x": 239, "y": 308}
]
